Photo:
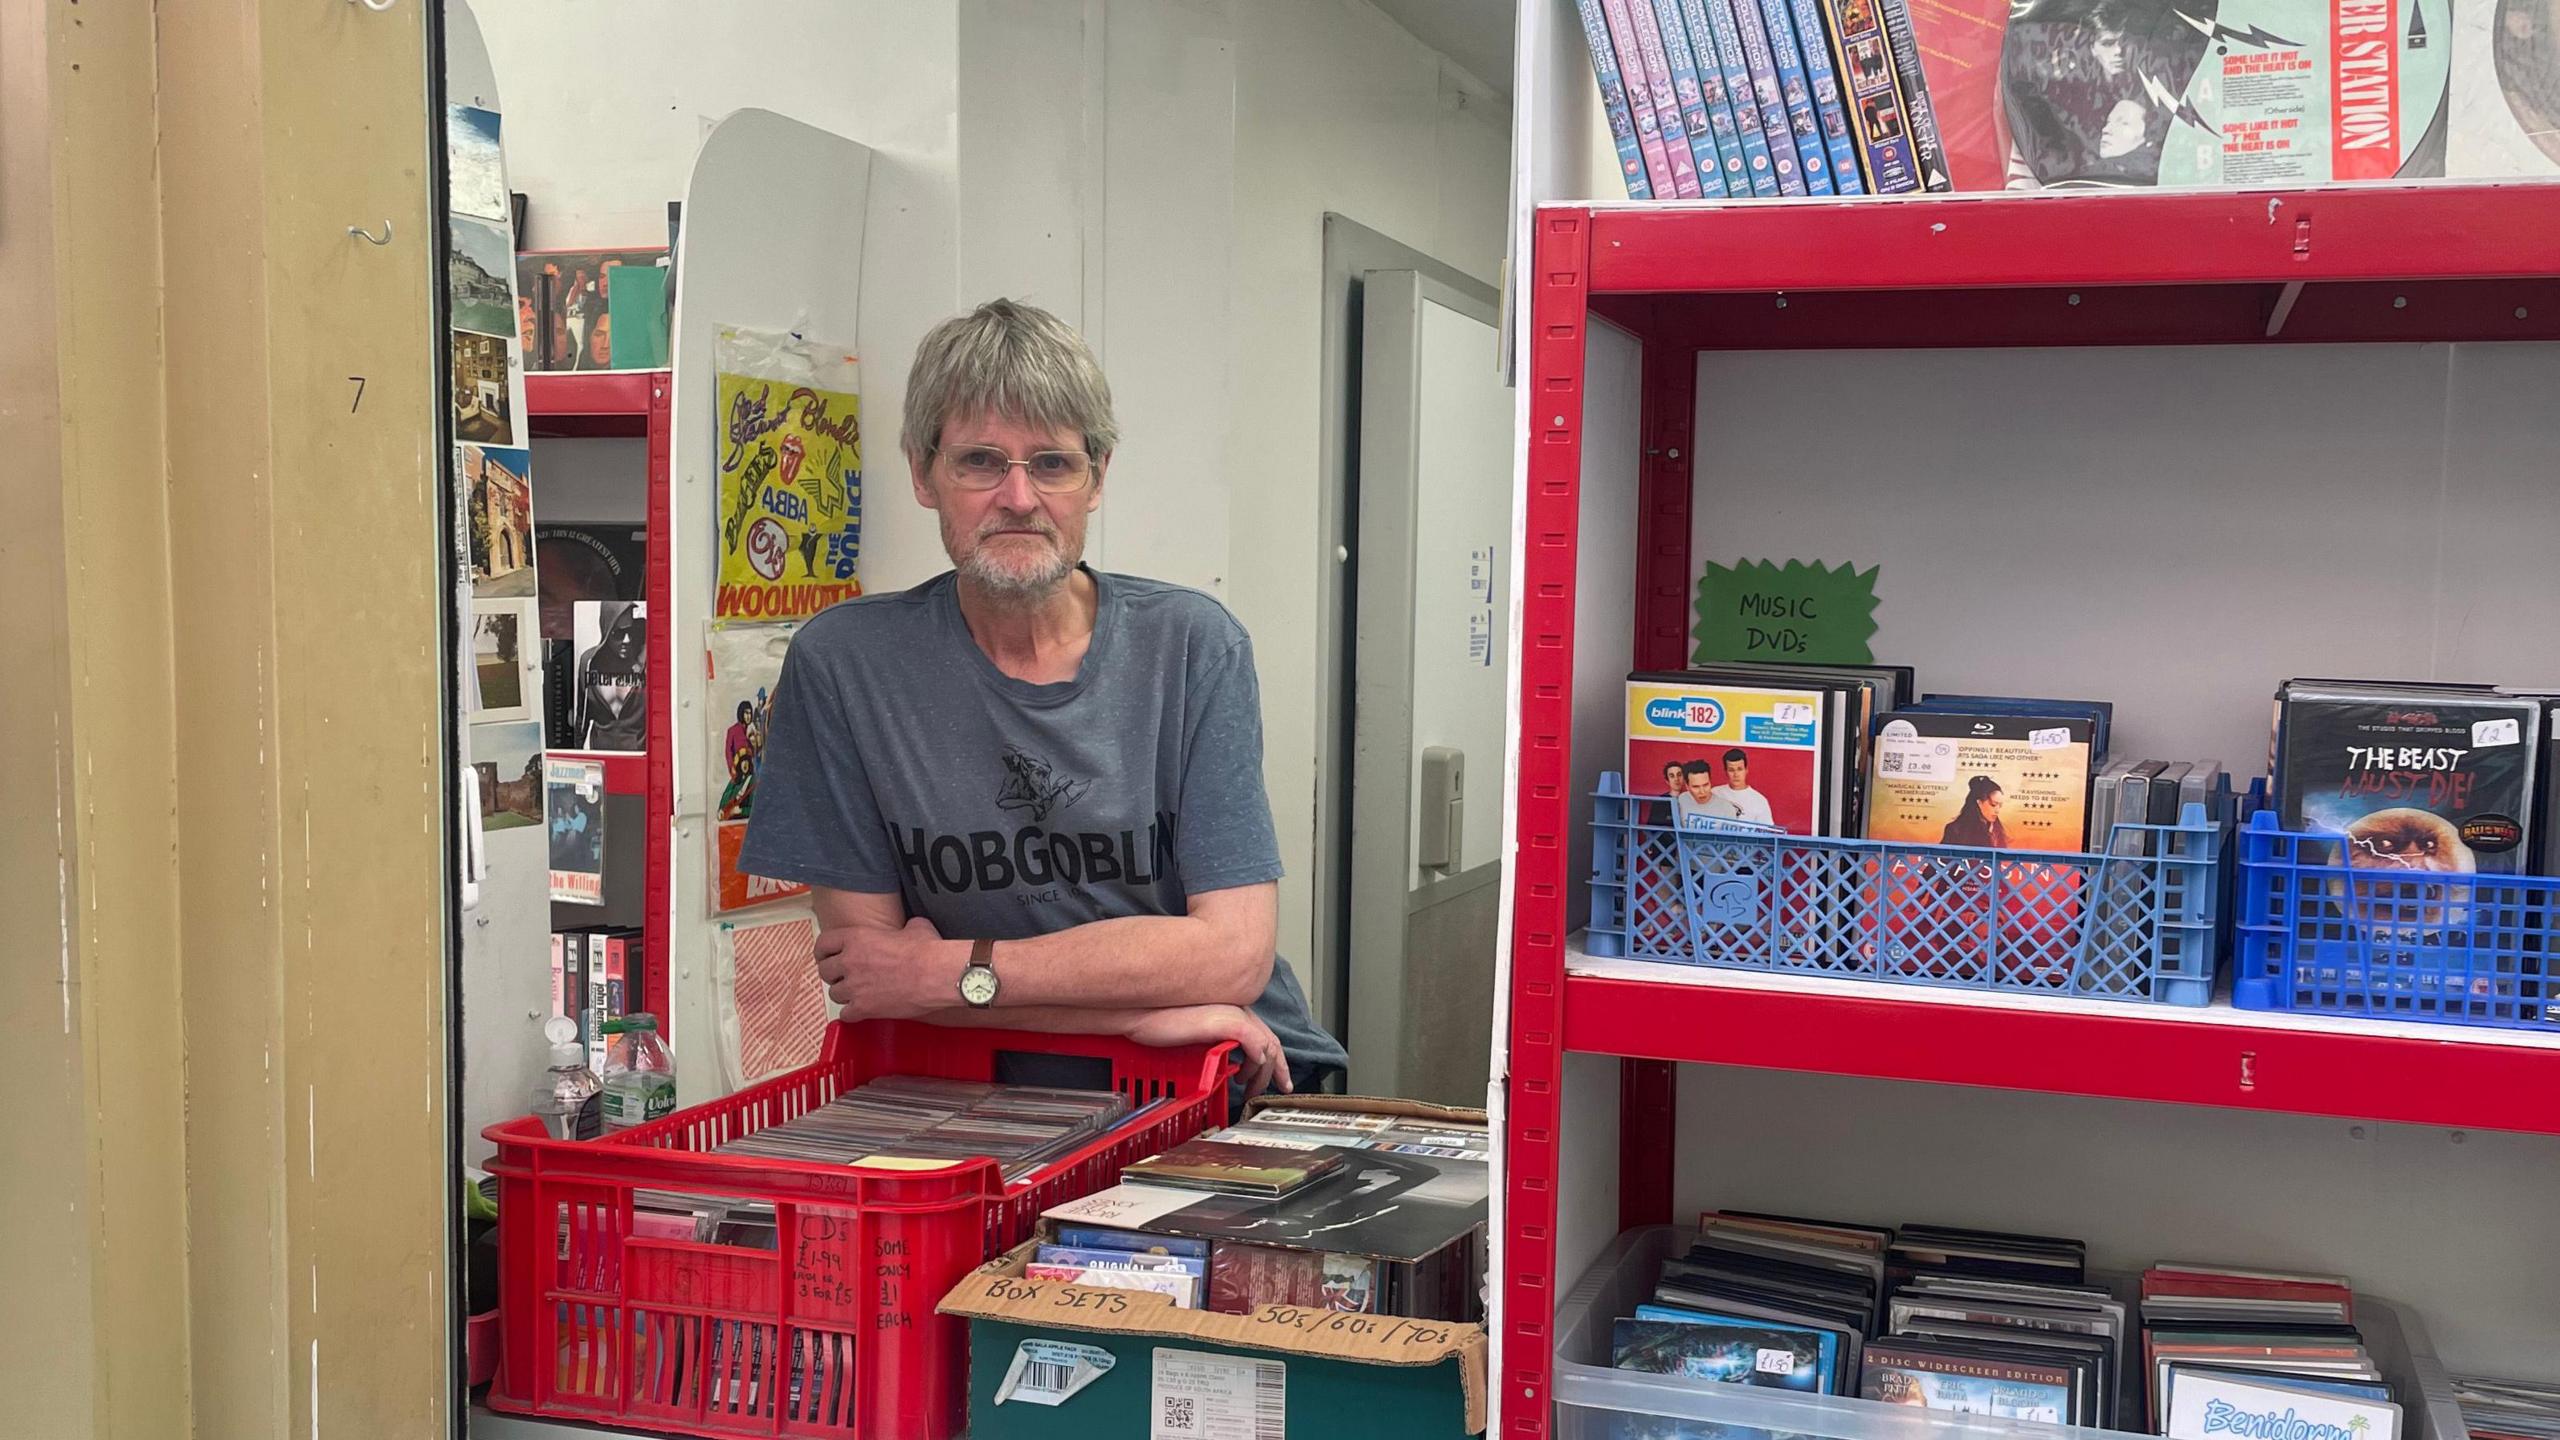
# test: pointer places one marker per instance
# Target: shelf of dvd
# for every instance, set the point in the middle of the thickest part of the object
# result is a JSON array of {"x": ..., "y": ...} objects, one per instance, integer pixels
[
  {"x": 634, "y": 404},
  {"x": 2395, "y": 263}
]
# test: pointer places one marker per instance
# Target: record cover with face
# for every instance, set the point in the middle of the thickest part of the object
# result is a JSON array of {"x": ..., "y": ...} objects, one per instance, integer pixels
[
  {"x": 2003, "y": 782},
  {"x": 1752, "y": 754},
  {"x": 2424, "y": 786}
]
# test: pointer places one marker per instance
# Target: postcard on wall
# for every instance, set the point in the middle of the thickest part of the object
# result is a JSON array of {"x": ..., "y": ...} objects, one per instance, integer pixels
[
  {"x": 497, "y": 489},
  {"x": 485, "y": 385},
  {"x": 574, "y": 798},
  {"x": 505, "y": 676},
  {"x": 788, "y": 443},
  {"x": 509, "y": 759},
  {"x": 475, "y": 167},
  {"x": 480, "y": 273},
  {"x": 746, "y": 662}
]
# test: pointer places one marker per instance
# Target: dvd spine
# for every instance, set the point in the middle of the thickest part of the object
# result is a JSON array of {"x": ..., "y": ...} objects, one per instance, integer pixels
[
  {"x": 1811, "y": 158},
  {"x": 1756, "y": 153},
  {"x": 1700, "y": 136},
  {"x": 1666, "y": 105},
  {"x": 1712, "y": 94},
  {"x": 1640, "y": 111},
  {"x": 1928, "y": 155},
  {"x": 1764, "y": 89},
  {"x": 1613, "y": 98},
  {"x": 1875, "y": 105},
  {"x": 1830, "y": 100}
]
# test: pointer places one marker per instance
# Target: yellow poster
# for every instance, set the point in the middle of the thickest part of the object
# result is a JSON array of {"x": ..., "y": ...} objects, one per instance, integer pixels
[{"x": 789, "y": 458}]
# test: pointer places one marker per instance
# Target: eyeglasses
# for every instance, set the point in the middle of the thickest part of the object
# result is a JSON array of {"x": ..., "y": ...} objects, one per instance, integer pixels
[{"x": 983, "y": 467}]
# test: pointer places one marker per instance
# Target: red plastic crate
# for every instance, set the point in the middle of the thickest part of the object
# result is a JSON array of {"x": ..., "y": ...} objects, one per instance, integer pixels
[{"x": 834, "y": 1333}]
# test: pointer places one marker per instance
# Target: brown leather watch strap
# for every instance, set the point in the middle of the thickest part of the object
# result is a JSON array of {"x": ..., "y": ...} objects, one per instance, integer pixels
[{"x": 982, "y": 952}]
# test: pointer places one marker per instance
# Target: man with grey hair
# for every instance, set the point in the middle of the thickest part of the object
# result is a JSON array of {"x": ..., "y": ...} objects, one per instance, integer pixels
[{"x": 1028, "y": 793}]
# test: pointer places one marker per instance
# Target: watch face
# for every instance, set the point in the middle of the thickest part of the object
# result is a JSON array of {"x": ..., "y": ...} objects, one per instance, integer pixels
[{"x": 978, "y": 985}]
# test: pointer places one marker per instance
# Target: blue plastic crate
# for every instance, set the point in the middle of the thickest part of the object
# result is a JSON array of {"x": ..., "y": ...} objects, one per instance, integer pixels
[
  {"x": 2126, "y": 926},
  {"x": 2323, "y": 936}
]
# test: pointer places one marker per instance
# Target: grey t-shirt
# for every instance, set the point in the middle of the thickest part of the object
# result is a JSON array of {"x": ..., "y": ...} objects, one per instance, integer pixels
[{"x": 899, "y": 758}]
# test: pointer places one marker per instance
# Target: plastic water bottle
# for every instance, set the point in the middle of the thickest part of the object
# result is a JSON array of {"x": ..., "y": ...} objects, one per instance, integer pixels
[
  {"x": 639, "y": 1074},
  {"x": 567, "y": 1099}
]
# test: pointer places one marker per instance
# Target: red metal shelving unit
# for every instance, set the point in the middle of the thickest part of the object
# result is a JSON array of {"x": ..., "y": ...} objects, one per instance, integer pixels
[
  {"x": 2392, "y": 263},
  {"x": 634, "y": 404}
]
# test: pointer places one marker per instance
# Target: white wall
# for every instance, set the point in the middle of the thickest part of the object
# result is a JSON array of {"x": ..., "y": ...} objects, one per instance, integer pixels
[{"x": 1157, "y": 171}]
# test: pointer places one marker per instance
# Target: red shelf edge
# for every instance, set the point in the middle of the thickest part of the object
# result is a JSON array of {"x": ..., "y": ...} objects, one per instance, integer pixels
[
  {"x": 2348, "y": 1074},
  {"x": 2008, "y": 241},
  {"x": 590, "y": 392}
]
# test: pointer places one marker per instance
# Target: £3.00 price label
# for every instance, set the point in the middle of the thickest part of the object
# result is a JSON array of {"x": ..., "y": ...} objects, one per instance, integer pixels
[{"x": 1199, "y": 1396}]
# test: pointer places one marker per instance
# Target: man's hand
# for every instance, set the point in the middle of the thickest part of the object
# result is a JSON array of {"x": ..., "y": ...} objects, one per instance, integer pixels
[
  {"x": 877, "y": 973},
  {"x": 1265, "y": 1068}
]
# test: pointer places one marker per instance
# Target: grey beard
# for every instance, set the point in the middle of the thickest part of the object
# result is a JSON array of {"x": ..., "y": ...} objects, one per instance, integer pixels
[{"x": 1016, "y": 588}]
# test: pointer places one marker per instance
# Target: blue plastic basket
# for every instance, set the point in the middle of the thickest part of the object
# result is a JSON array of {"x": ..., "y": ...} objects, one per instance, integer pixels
[
  {"x": 2323, "y": 936},
  {"x": 2126, "y": 926}
]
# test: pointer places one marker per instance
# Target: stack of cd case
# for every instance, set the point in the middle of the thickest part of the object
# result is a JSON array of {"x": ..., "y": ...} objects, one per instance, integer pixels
[{"x": 903, "y": 1117}]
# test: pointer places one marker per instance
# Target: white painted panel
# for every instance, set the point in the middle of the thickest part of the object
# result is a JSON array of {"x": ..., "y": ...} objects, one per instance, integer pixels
[
  {"x": 2174, "y": 530},
  {"x": 609, "y": 99},
  {"x": 1168, "y": 210},
  {"x": 1604, "y": 626},
  {"x": 1587, "y": 1151},
  {"x": 1461, "y": 575},
  {"x": 2457, "y": 1229},
  {"x": 1337, "y": 109},
  {"x": 804, "y": 266}
]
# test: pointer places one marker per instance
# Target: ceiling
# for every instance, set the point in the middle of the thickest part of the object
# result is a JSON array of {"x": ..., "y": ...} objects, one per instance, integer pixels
[{"x": 1474, "y": 34}]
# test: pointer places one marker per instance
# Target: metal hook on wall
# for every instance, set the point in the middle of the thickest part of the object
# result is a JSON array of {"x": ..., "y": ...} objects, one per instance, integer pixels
[
  {"x": 365, "y": 235},
  {"x": 376, "y": 6}
]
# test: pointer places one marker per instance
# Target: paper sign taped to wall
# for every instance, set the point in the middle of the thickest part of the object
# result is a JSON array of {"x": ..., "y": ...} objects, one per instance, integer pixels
[
  {"x": 1799, "y": 612},
  {"x": 775, "y": 1000}
]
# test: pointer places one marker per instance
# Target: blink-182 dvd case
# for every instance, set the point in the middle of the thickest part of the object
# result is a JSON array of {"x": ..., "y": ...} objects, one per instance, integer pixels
[{"x": 1759, "y": 754}]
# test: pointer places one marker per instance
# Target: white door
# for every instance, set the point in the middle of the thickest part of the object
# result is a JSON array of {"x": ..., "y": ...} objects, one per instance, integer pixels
[{"x": 1432, "y": 569}]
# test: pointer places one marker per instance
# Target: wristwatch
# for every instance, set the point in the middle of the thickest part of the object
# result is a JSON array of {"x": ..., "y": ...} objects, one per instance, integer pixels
[{"x": 978, "y": 982}]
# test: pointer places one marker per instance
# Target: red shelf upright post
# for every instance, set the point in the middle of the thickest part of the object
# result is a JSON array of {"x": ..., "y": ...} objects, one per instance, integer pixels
[
  {"x": 1558, "y": 313},
  {"x": 657, "y": 924},
  {"x": 1665, "y": 481}
]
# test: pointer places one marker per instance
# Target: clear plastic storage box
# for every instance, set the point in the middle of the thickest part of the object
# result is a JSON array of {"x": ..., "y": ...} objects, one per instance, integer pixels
[{"x": 1594, "y": 1402}]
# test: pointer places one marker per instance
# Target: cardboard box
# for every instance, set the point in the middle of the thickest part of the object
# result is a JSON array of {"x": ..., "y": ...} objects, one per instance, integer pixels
[{"x": 1050, "y": 1360}]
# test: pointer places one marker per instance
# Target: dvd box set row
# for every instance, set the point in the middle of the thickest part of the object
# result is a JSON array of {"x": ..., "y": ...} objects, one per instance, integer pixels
[
  {"x": 1325, "y": 1206},
  {"x": 598, "y": 973},
  {"x": 1985, "y": 1323},
  {"x": 1713, "y": 98},
  {"x": 1716, "y": 98},
  {"x": 2407, "y": 775}
]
